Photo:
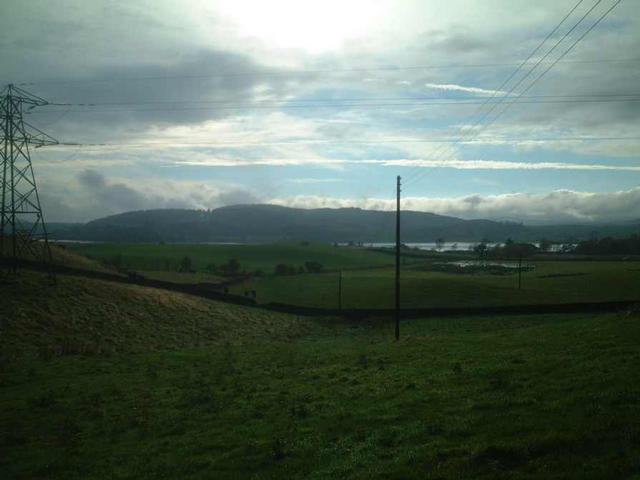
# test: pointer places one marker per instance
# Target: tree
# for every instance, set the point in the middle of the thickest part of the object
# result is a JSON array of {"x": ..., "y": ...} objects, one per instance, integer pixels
[
  {"x": 211, "y": 268},
  {"x": 480, "y": 249},
  {"x": 232, "y": 267},
  {"x": 282, "y": 269},
  {"x": 185, "y": 264},
  {"x": 518, "y": 250},
  {"x": 313, "y": 267},
  {"x": 439, "y": 243},
  {"x": 545, "y": 245}
]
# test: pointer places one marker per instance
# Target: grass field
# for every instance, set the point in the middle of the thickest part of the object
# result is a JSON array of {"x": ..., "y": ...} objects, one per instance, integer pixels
[
  {"x": 86, "y": 316},
  {"x": 251, "y": 257},
  {"x": 549, "y": 282},
  {"x": 196, "y": 389},
  {"x": 368, "y": 278}
]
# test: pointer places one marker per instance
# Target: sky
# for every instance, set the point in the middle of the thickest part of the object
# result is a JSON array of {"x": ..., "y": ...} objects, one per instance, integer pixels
[{"x": 501, "y": 109}]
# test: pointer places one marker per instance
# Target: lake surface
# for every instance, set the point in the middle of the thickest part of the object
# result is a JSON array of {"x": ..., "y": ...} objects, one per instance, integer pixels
[{"x": 457, "y": 246}]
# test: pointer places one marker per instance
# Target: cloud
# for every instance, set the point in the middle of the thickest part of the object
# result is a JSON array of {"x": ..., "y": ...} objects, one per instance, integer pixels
[
  {"x": 203, "y": 86},
  {"x": 553, "y": 207},
  {"x": 315, "y": 180},
  {"x": 461, "y": 88},
  {"x": 213, "y": 161},
  {"x": 98, "y": 195},
  {"x": 92, "y": 179}
]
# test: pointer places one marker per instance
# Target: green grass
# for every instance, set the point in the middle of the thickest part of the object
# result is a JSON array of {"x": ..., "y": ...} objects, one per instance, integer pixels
[
  {"x": 251, "y": 257},
  {"x": 549, "y": 282},
  {"x": 87, "y": 316},
  {"x": 183, "y": 277},
  {"x": 368, "y": 278},
  {"x": 554, "y": 396}
]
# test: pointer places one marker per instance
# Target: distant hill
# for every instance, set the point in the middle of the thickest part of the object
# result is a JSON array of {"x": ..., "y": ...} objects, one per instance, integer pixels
[{"x": 270, "y": 223}]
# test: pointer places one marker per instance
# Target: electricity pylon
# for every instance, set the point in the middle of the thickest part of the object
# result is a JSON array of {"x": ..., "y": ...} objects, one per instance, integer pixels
[{"x": 23, "y": 233}]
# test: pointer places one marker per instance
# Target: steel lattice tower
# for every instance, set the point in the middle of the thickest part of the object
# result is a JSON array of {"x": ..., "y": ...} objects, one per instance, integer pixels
[{"x": 23, "y": 233}]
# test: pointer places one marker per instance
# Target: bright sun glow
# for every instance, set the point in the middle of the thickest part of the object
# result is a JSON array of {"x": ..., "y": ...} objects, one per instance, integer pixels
[{"x": 313, "y": 26}]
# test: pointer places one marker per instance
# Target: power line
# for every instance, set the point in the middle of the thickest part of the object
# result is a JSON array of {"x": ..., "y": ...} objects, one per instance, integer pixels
[
  {"x": 337, "y": 105},
  {"x": 461, "y": 130},
  {"x": 566, "y": 52},
  {"x": 479, "y": 140},
  {"x": 309, "y": 72},
  {"x": 347, "y": 99},
  {"x": 557, "y": 60}
]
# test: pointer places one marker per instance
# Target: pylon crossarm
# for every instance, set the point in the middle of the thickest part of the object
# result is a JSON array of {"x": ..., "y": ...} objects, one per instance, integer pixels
[
  {"x": 39, "y": 138},
  {"x": 30, "y": 98}
]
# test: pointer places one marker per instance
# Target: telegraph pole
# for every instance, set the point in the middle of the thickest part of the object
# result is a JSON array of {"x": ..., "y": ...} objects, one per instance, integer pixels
[
  {"x": 340, "y": 290},
  {"x": 23, "y": 233},
  {"x": 398, "y": 258},
  {"x": 520, "y": 272}
]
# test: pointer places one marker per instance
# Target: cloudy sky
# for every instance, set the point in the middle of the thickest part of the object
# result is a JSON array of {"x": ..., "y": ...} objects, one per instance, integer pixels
[{"x": 493, "y": 109}]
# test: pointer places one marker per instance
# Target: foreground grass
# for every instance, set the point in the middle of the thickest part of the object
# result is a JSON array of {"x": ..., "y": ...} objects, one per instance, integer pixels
[{"x": 523, "y": 396}]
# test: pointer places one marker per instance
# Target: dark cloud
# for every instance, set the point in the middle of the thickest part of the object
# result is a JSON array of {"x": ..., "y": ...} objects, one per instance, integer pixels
[
  {"x": 100, "y": 196},
  {"x": 234, "y": 197},
  {"x": 91, "y": 179}
]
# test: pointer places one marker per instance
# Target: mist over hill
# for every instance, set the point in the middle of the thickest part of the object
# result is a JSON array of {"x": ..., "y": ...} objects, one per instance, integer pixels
[{"x": 271, "y": 223}]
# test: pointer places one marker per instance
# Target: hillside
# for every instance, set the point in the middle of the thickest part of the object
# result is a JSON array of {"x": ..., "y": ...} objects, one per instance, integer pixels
[
  {"x": 87, "y": 316},
  {"x": 271, "y": 223},
  {"x": 262, "y": 223}
]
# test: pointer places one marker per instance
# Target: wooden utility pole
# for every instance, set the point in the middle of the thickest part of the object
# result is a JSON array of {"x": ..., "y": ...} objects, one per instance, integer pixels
[
  {"x": 340, "y": 290},
  {"x": 398, "y": 258},
  {"x": 520, "y": 272}
]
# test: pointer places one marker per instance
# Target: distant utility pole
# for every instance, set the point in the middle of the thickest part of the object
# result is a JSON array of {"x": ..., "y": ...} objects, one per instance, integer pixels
[
  {"x": 340, "y": 290},
  {"x": 398, "y": 258},
  {"x": 23, "y": 233},
  {"x": 520, "y": 272}
]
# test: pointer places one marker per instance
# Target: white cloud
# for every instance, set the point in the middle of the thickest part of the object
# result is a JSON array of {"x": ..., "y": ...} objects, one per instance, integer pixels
[
  {"x": 315, "y": 180},
  {"x": 213, "y": 161},
  {"x": 462, "y": 88},
  {"x": 556, "y": 206}
]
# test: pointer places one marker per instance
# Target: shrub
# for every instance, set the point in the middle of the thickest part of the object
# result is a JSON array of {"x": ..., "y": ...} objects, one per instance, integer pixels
[
  {"x": 282, "y": 269},
  {"x": 313, "y": 267}
]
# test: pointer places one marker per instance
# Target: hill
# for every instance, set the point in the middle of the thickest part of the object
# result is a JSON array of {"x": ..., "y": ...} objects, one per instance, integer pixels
[
  {"x": 268, "y": 223},
  {"x": 88, "y": 316},
  {"x": 272, "y": 223}
]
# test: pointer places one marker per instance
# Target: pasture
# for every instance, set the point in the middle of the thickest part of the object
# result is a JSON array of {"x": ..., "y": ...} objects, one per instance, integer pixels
[
  {"x": 549, "y": 282},
  {"x": 195, "y": 389},
  {"x": 368, "y": 275},
  {"x": 265, "y": 257}
]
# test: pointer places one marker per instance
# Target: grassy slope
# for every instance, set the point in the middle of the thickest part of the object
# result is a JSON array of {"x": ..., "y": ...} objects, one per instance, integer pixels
[
  {"x": 64, "y": 256},
  {"x": 86, "y": 315},
  {"x": 251, "y": 257},
  {"x": 501, "y": 397}
]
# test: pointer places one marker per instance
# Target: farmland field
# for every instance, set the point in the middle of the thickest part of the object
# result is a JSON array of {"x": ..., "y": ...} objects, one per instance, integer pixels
[
  {"x": 549, "y": 282},
  {"x": 368, "y": 275},
  {"x": 251, "y": 257},
  {"x": 103, "y": 380}
]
